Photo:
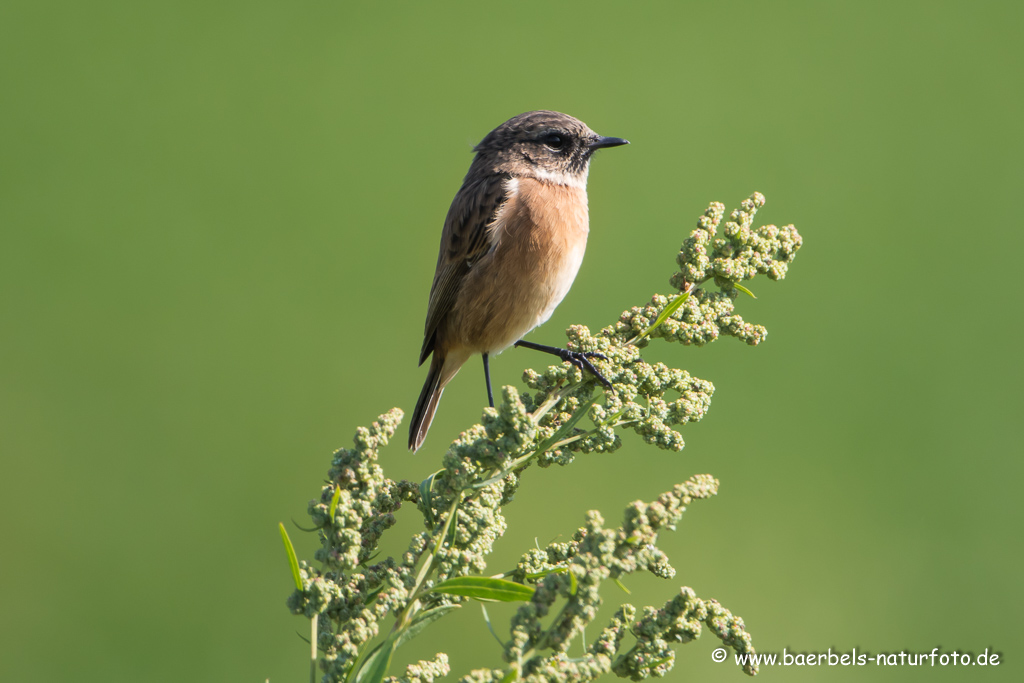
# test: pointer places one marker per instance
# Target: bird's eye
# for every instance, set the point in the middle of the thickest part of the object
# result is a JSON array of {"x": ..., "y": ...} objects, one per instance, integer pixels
[{"x": 553, "y": 140}]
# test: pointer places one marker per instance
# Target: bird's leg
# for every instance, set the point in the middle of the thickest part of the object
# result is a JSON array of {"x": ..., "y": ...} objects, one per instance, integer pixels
[
  {"x": 580, "y": 359},
  {"x": 487, "y": 378}
]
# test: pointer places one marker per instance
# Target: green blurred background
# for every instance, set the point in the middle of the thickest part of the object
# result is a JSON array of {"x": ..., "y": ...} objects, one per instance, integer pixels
[{"x": 218, "y": 225}]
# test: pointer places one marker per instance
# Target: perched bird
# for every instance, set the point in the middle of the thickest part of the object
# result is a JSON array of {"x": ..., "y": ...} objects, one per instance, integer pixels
[{"x": 512, "y": 243}]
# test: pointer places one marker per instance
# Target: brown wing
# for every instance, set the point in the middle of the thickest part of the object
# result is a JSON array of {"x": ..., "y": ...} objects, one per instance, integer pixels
[{"x": 464, "y": 240}]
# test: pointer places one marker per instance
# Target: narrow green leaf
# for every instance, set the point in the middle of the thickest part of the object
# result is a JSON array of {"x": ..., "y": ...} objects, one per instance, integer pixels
[
  {"x": 427, "y": 496},
  {"x": 554, "y": 439},
  {"x": 303, "y": 528},
  {"x": 614, "y": 418},
  {"x": 744, "y": 290},
  {"x": 357, "y": 671},
  {"x": 658, "y": 662},
  {"x": 422, "y": 620},
  {"x": 371, "y": 595},
  {"x": 573, "y": 586},
  {"x": 334, "y": 501},
  {"x": 293, "y": 561},
  {"x": 512, "y": 675},
  {"x": 376, "y": 664},
  {"x": 487, "y": 482},
  {"x": 622, "y": 586},
  {"x": 487, "y": 620},
  {"x": 666, "y": 313},
  {"x": 567, "y": 426},
  {"x": 541, "y": 575},
  {"x": 484, "y": 588}
]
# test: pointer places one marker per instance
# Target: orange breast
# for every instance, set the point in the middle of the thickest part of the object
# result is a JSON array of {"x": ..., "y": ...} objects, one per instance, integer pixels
[{"x": 540, "y": 236}]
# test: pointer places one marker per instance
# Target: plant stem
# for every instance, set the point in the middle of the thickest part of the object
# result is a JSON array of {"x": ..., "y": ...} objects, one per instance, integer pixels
[
  {"x": 404, "y": 619},
  {"x": 312, "y": 647}
]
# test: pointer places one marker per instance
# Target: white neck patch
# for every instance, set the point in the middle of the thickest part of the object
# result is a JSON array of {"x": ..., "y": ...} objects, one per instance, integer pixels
[
  {"x": 511, "y": 187},
  {"x": 578, "y": 180}
]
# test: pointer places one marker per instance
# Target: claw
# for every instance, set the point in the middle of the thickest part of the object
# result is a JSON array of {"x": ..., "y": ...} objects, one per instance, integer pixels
[
  {"x": 581, "y": 359},
  {"x": 578, "y": 359}
]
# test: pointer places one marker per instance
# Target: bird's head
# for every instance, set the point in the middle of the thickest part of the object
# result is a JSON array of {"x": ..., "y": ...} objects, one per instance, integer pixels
[{"x": 547, "y": 145}]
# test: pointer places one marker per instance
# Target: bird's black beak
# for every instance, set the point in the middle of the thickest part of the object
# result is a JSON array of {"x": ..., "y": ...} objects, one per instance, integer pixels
[{"x": 601, "y": 142}]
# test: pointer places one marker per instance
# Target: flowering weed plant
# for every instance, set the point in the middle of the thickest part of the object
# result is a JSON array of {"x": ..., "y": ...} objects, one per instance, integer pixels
[{"x": 363, "y": 607}]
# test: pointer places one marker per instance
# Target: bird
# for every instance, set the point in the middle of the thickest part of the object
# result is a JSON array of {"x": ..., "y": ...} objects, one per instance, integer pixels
[{"x": 512, "y": 243}]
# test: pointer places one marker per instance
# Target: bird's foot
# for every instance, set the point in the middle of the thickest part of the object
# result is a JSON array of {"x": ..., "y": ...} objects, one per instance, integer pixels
[
  {"x": 578, "y": 359},
  {"x": 581, "y": 360}
]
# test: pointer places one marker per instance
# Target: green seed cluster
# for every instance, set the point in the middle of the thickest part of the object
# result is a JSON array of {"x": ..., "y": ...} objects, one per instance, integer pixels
[
  {"x": 423, "y": 671},
  {"x": 559, "y": 668},
  {"x": 678, "y": 621},
  {"x": 348, "y": 597},
  {"x": 648, "y": 398},
  {"x": 478, "y": 525},
  {"x": 731, "y": 631},
  {"x": 367, "y": 500},
  {"x": 565, "y": 414},
  {"x": 741, "y": 253},
  {"x": 701, "y": 319},
  {"x": 571, "y": 573}
]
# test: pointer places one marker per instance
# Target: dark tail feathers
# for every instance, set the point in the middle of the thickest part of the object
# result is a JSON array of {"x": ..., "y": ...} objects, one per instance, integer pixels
[{"x": 423, "y": 414}]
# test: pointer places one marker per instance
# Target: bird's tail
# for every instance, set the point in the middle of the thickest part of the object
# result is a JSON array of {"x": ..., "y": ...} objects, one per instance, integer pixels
[{"x": 442, "y": 368}]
